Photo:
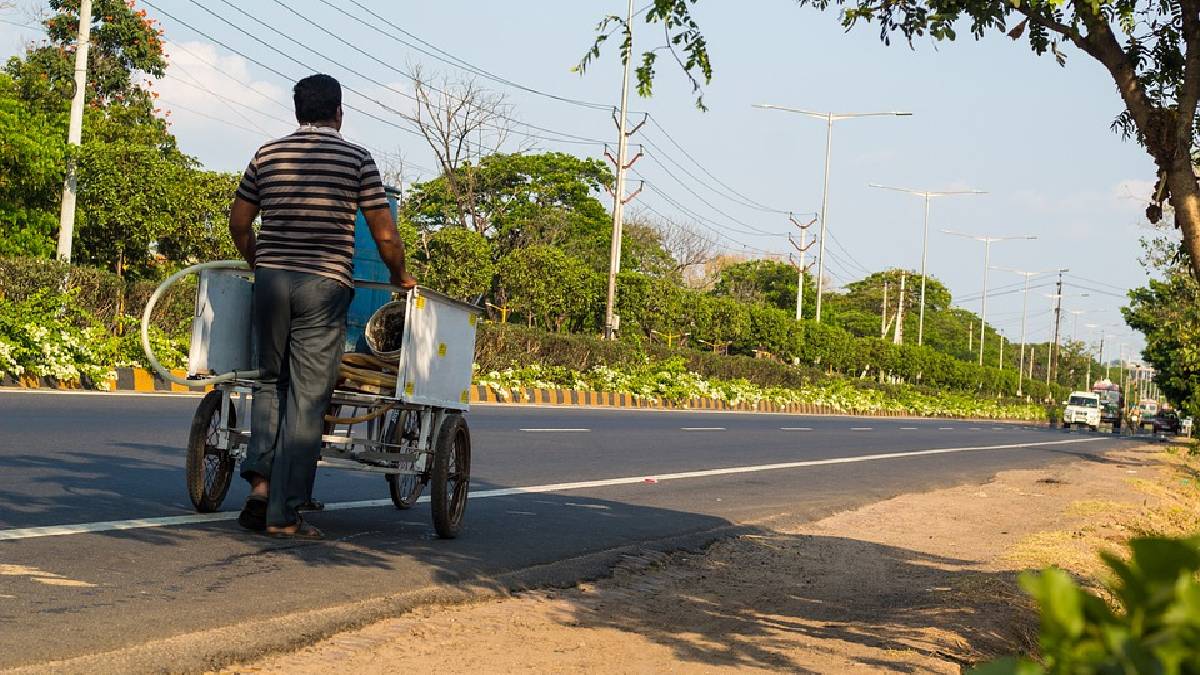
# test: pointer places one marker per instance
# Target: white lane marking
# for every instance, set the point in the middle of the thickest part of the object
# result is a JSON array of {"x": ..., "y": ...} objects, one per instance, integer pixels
[
  {"x": 702, "y": 428},
  {"x": 860, "y": 429},
  {"x": 975, "y": 429},
  {"x": 553, "y": 431},
  {"x": 945, "y": 428},
  {"x": 198, "y": 518},
  {"x": 908, "y": 428},
  {"x": 795, "y": 428}
]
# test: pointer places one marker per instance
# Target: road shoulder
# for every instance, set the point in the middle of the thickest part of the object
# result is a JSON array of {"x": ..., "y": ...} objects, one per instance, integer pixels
[{"x": 920, "y": 582}]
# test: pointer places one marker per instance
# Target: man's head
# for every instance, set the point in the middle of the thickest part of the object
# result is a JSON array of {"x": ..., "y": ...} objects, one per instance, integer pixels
[{"x": 318, "y": 100}]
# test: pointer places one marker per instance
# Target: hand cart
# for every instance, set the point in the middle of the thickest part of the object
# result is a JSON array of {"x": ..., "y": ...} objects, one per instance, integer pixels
[{"x": 406, "y": 421}]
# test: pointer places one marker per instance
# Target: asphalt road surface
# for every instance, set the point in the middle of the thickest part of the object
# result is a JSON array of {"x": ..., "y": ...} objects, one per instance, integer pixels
[{"x": 600, "y": 481}]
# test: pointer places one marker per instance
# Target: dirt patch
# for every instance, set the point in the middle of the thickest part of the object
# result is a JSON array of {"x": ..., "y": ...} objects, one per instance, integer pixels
[{"x": 919, "y": 583}]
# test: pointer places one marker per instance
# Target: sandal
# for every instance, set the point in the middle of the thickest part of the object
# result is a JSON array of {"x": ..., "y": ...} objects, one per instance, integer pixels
[
  {"x": 311, "y": 505},
  {"x": 254, "y": 514},
  {"x": 303, "y": 531}
]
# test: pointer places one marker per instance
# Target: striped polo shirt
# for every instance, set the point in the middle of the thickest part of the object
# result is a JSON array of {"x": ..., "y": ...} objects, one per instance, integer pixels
[{"x": 308, "y": 186}]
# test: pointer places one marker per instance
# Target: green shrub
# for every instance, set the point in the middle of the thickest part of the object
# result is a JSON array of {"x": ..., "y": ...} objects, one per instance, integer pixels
[{"x": 1154, "y": 629}]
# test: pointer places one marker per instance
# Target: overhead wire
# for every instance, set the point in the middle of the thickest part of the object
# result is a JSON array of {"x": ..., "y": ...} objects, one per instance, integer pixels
[
  {"x": 442, "y": 55},
  {"x": 249, "y": 85},
  {"x": 276, "y": 71},
  {"x": 566, "y": 137},
  {"x": 744, "y": 228},
  {"x": 740, "y": 196}
]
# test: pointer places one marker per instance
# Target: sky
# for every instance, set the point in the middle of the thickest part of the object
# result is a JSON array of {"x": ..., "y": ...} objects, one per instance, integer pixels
[{"x": 986, "y": 115}]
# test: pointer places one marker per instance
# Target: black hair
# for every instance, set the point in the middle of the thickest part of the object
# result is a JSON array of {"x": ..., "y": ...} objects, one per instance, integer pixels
[{"x": 317, "y": 98}]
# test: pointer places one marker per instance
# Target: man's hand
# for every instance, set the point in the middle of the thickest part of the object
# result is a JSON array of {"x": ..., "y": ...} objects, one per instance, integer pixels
[{"x": 404, "y": 280}]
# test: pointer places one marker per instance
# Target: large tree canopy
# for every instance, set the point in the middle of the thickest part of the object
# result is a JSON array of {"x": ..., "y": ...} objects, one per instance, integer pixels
[
  {"x": 140, "y": 197},
  {"x": 1150, "y": 48}
]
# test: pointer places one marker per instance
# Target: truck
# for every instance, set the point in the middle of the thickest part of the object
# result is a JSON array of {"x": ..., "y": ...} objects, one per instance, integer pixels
[
  {"x": 1082, "y": 410},
  {"x": 1112, "y": 403}
]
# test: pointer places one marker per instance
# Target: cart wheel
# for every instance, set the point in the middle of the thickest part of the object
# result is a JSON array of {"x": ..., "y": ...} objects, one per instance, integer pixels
[
  {"x": 405, "y": 489},
  {"x": 451, "y": 476},
  {"x": 209, "y": 468}
]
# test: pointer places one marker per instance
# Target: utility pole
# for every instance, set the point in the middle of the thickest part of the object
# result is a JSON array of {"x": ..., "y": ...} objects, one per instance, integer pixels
[
  {"x": 883, "y": 314},
  {"x": 1024, "y": 316},
  {"x": 970, "y": 337},
  {"x": 802, "y": 269},
  {"x": 830, "y": 118},
  {"x": 1054, "y": 349},
  {"x": 927, "y": 194},
  {"x": 66, "y": 214},
  {"x": 898, "y": 338},
  {"x": 1002, "y": 353},
  {"x": 1032, "y": 360},
  {"x": 611, "y": 320},
  {"x": 987, "y": 257}
]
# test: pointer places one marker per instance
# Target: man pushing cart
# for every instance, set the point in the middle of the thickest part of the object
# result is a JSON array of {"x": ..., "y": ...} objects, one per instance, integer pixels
[{"x": 397, "y": 411}]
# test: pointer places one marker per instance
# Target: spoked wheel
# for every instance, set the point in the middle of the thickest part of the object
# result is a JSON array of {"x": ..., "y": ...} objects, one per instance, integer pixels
[
  {"x": 405, "y": 489},
  {"x": 209, "y": 468},
  {"x": 451, "y": 476}
]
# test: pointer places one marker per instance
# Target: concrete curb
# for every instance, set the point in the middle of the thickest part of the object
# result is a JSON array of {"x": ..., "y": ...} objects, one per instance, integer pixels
[
  {"x": 142, "y": 380},
  {"x": 127, "y": 379}
]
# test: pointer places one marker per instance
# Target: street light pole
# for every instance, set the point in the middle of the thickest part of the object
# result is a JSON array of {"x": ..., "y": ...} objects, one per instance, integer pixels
[
  {"x": 830, "y": 118},
  {"x": 927, "y": 195},
  {"x": 987, "y": 256},
  {"x": 1025, "y": 312}
]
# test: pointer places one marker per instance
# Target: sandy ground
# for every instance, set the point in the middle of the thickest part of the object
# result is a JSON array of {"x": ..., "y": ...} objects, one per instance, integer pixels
[{"x": 920, "y": 583}]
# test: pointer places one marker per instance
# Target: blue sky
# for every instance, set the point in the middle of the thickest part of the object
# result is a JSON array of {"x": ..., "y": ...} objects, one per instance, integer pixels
[{"x": 987, "y": 115}]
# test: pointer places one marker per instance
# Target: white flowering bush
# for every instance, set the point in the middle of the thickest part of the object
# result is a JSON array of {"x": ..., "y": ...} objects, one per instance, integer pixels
[{"x": 45, "y": 335}]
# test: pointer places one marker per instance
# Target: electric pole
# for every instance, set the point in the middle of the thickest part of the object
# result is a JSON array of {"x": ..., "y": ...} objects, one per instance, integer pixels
[
  {"x": 883, "y": 312},
  {"x": 802, "y": 247},
  {"x": 66, "y": 215},
  {"x": 1054, "y": 350},
  {"x": 611, "y": 320},
  {"x": 898, "y": 338}
]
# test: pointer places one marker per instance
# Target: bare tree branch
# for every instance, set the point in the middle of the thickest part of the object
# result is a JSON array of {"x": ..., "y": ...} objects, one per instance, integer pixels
[{"x": 461, "y": 123}]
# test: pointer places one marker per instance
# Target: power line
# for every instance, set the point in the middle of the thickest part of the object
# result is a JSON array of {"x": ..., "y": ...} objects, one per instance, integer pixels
[
  {"x": 567, "y": 137},
  {"x": 374, "y": 150},
  {"x": 750, "y": 229},
  {"x": 435, "y": 52},
  {"x": 271, "y": 69},
  {"x": 740, "y": 197},
  {"x": 702, "y": 220}
]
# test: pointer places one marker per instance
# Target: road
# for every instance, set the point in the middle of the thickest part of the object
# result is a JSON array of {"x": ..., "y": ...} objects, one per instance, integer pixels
[{"x": 76, "y": 459}]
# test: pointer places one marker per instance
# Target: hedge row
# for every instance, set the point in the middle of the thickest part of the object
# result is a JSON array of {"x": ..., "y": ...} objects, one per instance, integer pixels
[
  {"x": 108, "y": 298},
  {"x": 501, "y": 346}
]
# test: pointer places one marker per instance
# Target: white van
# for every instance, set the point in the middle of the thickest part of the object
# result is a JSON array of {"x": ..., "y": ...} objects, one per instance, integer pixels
[{"x": 1083, "y": 409}]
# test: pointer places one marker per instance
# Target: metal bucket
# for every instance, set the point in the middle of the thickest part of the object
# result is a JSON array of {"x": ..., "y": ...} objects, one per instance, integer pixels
[{"x": 384, "y": 331}]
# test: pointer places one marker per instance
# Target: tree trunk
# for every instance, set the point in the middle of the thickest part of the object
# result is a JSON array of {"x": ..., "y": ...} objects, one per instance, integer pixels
[{"x": 1185, "y": 199}]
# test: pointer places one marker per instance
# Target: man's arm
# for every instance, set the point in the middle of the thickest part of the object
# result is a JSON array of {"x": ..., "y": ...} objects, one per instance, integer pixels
[
  {"x": 391, "y": 249},
  {"x": 241, "y": 222}
]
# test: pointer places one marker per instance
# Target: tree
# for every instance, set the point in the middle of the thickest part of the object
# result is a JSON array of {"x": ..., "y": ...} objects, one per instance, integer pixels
[
  {"x": 1150, "y": 49},
  {"x": 548, "y": 198},
  {"x": 461, "y": 123},
  {"x": 140, "y": 199},
  {"x": 767, "y": 281},
  {"x": 32, "y": 159},
  {"x": 547, "y": 286},
  {"x": 457, "y": 262},
  {"x": 1167, "y": 312}
]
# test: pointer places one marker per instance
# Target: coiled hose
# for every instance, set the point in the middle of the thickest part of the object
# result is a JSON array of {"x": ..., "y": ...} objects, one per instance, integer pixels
[{"x": 166, "y": 374}]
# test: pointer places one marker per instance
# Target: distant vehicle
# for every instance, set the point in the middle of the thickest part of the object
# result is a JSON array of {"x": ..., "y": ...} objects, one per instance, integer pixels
[
  {"x": 1163, "y": 422},
  {"x": 1112, "y": 403},
  {"x": 1083, "y": 410},
  {"x": 1144, "y": 410}
]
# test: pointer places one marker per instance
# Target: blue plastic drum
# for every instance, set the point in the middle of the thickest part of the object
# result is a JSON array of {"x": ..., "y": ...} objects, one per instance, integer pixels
[{"x": 367, "y": 266}]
